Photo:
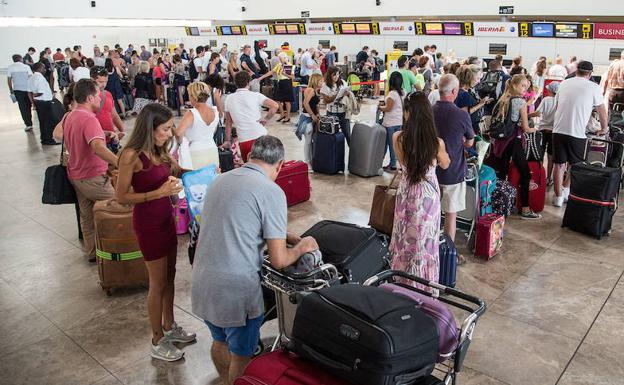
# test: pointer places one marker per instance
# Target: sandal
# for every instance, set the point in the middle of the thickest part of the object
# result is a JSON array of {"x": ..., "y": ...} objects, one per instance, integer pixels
[
  {"x": 286, "y": 120},
  {"x": 461, "y": 260},
  {"x": 280, "y": 119}
]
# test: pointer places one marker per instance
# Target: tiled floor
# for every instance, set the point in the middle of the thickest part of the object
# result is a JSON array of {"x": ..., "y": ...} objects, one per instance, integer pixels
[{"x": 555, "y": 297}]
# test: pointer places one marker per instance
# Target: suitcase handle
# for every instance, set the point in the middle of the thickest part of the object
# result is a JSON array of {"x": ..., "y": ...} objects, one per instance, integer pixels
[
  {"x": 328, "y": 362},
  {"x": 411, "y": 377}
]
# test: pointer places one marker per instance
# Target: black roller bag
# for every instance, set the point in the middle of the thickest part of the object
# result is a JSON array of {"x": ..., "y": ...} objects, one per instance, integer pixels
[
  {"x": 366, "y": 335},
  {"x": 357, "y": 252},
  {"x": 593, "y": 199}
]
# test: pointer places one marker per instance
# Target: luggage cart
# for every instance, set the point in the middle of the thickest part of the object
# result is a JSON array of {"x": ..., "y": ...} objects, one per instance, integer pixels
[
  {"x": 467, "y": 219},
  {"x": 446, "y": 371},
  {"x": 286, "y": 285}
]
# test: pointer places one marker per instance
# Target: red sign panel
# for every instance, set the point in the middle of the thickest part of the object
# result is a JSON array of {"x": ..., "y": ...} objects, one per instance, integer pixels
[{"x": 608, "y": 31}]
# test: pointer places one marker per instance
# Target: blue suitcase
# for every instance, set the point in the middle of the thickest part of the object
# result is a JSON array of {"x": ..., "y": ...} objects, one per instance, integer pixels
[
  {"x": 448, "y": 261},
  {"x": 328, "y": 152},
  {"x": 295, "y": 104}
]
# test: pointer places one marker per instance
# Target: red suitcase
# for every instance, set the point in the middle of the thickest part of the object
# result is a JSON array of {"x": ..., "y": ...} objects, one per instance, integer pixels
[
  {"x": 489, "y": 238},
  {"x": 294, "y": 180},
  {"x": 537, "y": 186},
  {"x": 284, "y": 368}
]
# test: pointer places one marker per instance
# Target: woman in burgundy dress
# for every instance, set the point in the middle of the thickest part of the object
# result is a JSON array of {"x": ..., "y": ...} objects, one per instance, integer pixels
[{"x": 146, "y": 166}]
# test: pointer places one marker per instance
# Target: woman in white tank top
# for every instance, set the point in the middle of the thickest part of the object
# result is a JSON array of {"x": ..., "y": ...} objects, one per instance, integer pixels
[{"x": 198, "y": 127}]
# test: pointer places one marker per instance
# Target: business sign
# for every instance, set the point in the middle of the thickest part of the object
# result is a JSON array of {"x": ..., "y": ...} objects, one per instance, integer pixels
[
  {"x": 257, "y": 29},
  {"x": 319, "y": 29},
  {"x": 356, "y": 28},
  {"x": 396, "y": 28},
  {"x": 542, "y": 30},
  {"x": 500, "y": 29},
  {"x": 609, "y": 31},
  {"x": 287, "y": 29},
  {"x": 453, "y": 29},
  {"x": 434, "y": 29}
]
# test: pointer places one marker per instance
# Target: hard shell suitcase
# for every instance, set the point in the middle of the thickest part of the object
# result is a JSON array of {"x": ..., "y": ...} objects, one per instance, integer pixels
[
  {"x": 448, "y": 261},
  {"x": 537, "y": 185},
  {"x": 294, "y": 180},
  {"x": 489, "y": 240},
  {"x": 226, "y": 160},
  {"x": 285, "y": 368},
  {"x": 593, "y": 198},
  {"x": 328, "y": 153},
  {"x": 439, "y": 311},
  {"x": 357, "y": 252},
  {"x": 329, "y": 124},
  {"x": 367, "y": 149},
  {"x": 366, "y": 335},
  {"x": 119, "y": 259}
]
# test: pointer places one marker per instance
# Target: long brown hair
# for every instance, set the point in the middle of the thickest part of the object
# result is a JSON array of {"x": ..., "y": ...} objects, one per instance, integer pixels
[
  {"x": 419, "y": 138},
  {"x": 501, "y": 108},
  {"x": 142, "y": 137}
]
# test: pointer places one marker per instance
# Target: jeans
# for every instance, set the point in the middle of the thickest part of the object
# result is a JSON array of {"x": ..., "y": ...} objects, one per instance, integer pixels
[
  {"x": 345, "y": 124},
  {"x": 25, "y": 106},
  {"x": 307, "y": 143},
  {"x": 389, "y": 133}
]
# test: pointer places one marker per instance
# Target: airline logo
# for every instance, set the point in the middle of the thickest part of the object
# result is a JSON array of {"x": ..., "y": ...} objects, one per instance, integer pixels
[
  {"x": 208, "y": 31},
  {"x": 319, "y": 29},
  {"x": 257, "y": 29},
  {"x": 496, "y": 29},
  {"x": 399, "y": 28},
  {"x": 608, "y": 31}
]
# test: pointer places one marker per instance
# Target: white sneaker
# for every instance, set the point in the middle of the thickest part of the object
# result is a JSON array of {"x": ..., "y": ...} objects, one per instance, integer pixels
[
  {"x": 565, "y": 192},
  {"x": 166, "y": 351},
  {"x": 558, "y": 201},
  {"x": 28, "y": 128},
  {"x": 177, "y": 334}
]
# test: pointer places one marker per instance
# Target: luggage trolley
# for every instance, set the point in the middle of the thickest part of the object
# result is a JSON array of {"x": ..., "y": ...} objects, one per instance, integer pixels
[
  {"x": 286, "y": 285},
  {"x": 467, "y": 219},
  {"x": 458, "y": 339}
]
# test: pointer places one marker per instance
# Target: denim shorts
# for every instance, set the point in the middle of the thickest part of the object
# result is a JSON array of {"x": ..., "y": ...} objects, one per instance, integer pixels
[{"x": 241, "y": 341}]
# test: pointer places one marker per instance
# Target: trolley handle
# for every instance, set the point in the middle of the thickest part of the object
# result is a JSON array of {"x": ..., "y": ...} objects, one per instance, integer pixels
[{"x": 386, "y": 275}]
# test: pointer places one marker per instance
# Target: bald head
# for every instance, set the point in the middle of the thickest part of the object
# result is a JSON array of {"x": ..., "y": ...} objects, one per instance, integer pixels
[{"x": 449, "y": 87}]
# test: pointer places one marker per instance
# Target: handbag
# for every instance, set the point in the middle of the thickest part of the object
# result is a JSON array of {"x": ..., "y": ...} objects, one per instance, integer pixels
[
  {"x": 382, "y": 209},
  {"x": 57, "y": 189}
]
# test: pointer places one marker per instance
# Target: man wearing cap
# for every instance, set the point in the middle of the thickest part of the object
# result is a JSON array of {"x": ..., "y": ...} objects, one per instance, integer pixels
[
  {"x": 546, "y": 111},
  {"x": 576, "y": 99}
]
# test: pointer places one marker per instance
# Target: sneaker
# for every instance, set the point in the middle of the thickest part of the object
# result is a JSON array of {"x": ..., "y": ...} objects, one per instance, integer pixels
[
  {"x": 565, "y": 192},
  {"x": 558, "y": 201},
  {"x": 530, "y": 215},
  {"x": 177, "y": 334},
  {"x": 166, "y": 351},
  {"x": 28, "y": 128},
  {"x": 550, "y": 182}
]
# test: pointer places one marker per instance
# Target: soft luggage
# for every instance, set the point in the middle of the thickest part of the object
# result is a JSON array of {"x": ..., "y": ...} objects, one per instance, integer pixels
[
  {"x": 537, "y": 185},
  {"x": 357, "y": 252},
  {"x": 503, "y": 198},
  {"x": 448, "y": 261},
  {"x": 367, "y": 149},
  {"x": 294, "y": 180},
  {"x": 366, "y": 335},
  {"x": 489, "y": 238},
  {"x": 439, "y": 312},
  {"x": 328, "y": 153},
  {"x": 285, "y": 368},
  {"x": 226, "y": 160},
  {"x": 182, "y": 216},
  {"x": 593, "y": 199},
  {"x": 267, "y": 91},
  {"x": 487, "y": 183},
  {"x": 119, "y": 258}
]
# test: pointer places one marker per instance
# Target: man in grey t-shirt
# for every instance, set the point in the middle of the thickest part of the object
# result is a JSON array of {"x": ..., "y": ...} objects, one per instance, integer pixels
[{"x": 244, "y": 210}]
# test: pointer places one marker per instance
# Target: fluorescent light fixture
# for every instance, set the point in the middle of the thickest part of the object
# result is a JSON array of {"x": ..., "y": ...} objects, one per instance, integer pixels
[{"x": 92, "y": 22}]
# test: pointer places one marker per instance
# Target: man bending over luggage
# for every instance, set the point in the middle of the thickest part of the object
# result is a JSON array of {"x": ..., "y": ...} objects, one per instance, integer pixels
[{"x": 244, "y": 210}]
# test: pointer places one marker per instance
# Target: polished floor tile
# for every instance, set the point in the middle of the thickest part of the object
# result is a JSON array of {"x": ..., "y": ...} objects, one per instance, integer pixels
[{"x": 594, "y": 365}]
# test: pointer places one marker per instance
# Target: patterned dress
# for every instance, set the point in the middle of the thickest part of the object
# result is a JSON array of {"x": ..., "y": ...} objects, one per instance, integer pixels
[{"x": 416, "y": 234}]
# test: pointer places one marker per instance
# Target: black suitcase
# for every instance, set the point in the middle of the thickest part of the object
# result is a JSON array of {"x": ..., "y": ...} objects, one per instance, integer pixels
[
  {"x": 226, "y": 160},
  {"x": 593, "y": 199},
  {"x": 328, "y": 153},
  {"x": 357, "y": 252},
  {"x": 366, "y": 335}
]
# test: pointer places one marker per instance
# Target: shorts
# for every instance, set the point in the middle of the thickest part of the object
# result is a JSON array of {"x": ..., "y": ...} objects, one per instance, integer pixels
[
  {"x": 568, "y": 149},
  {"x": 245, "y": 148},
  {"x": 453, "y": 197},
  {"x": 242, "y": 340},
  {"x": 548, "y": 141},
  {"x": 376, "y": 76}
]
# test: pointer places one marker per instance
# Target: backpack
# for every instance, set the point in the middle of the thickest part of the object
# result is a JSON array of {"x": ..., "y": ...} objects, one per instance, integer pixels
[
  {"x": 503, "y": 198},
  {"x": 487, "y": 184},
  {"x": 192, "y": 70},
  {"x": 502, "y": 128},
  {"x": 64, "y": 76},
  {"x": 491, "y": 85},
  {"x": 379, "y": 65}
]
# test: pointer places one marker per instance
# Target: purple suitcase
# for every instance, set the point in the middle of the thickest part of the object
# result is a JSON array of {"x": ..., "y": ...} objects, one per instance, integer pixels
[{"x": 441, "y": 314}]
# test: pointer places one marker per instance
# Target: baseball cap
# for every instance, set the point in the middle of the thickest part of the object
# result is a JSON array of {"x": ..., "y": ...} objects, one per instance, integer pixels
[
  {"x": 585, "y": 66},
  {"x": 553, "y": 87}
]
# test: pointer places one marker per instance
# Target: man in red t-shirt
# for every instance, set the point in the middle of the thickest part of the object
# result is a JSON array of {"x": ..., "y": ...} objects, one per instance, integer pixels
[
  {"x": 88, "y": 157},
  {"x": 106, "y": 112}
]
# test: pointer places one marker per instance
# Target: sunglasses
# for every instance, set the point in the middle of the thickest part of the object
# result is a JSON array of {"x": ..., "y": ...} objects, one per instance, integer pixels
[
  {"x": 409, "y": 95},
  {"x": 101, "y": 71}
]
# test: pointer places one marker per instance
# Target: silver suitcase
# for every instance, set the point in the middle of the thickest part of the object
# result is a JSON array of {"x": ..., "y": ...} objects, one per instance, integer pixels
[{"x": 367, "y": 149}]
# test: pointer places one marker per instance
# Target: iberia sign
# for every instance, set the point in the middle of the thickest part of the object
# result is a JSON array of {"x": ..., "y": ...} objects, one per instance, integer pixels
[
  {"x": 396, "y": 28},
  {"x": 496, "y": 29}
]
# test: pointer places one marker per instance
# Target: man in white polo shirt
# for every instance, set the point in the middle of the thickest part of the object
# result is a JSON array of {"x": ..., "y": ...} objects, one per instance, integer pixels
[
  {"x": 17, "y": 77},
  {"x": 242, "y": 110},
  {"x": 576, "y": 99},
  {"x": 42, "y": 97}
]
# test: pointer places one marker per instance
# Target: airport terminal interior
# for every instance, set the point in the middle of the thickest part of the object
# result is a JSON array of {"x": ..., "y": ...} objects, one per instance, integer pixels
[{"x": 552, "y": 297}]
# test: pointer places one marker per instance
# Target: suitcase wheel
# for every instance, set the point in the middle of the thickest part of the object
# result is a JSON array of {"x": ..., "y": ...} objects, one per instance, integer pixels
[
  {"x": 259, "y": 348},
  {"x": 109, "y": 292}
]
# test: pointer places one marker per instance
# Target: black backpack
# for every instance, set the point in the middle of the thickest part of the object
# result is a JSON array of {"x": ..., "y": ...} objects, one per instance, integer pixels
[
  {"x": 491, "y": 85},
  {"x": 193, "y": 71},
  {"x": 502, "y": 128}
]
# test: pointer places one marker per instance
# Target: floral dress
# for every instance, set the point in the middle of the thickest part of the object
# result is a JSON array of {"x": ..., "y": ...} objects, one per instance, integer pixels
[{"x": 414, "y": 247}]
